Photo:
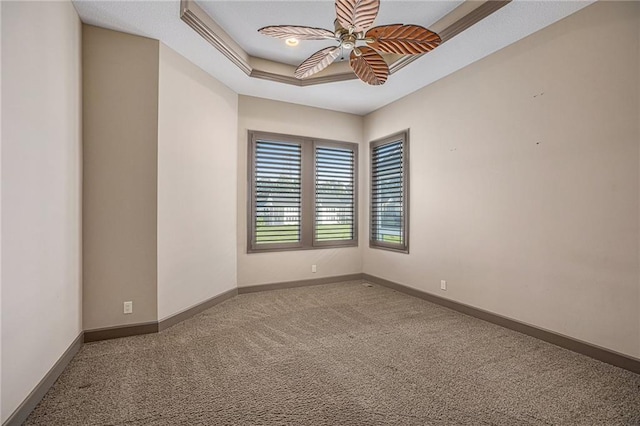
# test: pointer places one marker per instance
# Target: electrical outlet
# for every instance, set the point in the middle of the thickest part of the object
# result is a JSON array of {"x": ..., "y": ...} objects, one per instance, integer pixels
[
  {"x": 443, "y": 285},
  {"x": 314, "y": 269},
  {"x": 128, "y": 307}
]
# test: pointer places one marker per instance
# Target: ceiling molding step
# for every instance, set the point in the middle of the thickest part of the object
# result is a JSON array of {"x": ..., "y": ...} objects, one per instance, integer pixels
[
  {"x": 271, "y": 76},
  {"x": 329, "y": 79},
  {"x": 202, "y": 23},
  {"x": 471, "y": 18},
  {"x": 206, "y": 26}
]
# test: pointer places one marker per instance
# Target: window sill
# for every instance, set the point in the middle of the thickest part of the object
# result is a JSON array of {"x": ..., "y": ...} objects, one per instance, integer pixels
[
  {"x": 323, "y": 247},
  {"x": 404, "y": 250}
]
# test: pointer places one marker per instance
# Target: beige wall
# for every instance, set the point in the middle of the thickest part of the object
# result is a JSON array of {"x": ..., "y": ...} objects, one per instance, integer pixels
[
  {"x": 120, "y": 134},
  {"x": 280, "y": 117},
  {"x": 197, "y": 167},
  {"x": 524, "y": 180},
  {"x": 41, "y": 184}
]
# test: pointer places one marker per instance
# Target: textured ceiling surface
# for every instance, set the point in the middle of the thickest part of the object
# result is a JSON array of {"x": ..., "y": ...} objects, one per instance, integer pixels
[
  {"x": 242, "y": 19},
  {"x": 161, "y": 20}
]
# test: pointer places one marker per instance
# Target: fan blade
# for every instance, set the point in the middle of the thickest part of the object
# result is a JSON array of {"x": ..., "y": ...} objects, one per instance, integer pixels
[
  {"x": 370, "y": 67},
  {"x": 403, "y": 39},
  {"x": 301, "y": 33},
  {"x": 317, "y": 62},
  {"x": 358, "y": 14}
]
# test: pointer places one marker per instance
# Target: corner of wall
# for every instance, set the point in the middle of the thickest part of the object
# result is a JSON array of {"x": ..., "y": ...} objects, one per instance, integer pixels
[{"x": 286, "y": 118}]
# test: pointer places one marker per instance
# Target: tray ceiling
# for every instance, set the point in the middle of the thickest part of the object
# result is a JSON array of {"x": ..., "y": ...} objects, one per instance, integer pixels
[{"x": 161, "y": 20}]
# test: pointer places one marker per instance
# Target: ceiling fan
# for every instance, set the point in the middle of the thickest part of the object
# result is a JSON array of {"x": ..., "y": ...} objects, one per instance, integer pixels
[{"x": 353, "y": 25}]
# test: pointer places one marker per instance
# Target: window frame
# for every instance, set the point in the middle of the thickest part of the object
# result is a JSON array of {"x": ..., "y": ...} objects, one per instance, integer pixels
[
  {"x": 307, "y": 190},
  {"x": 402, "y": 136}
]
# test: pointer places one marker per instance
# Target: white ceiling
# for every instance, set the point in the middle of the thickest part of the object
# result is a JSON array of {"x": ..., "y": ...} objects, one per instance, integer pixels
[{"x": 161, "y": 20}]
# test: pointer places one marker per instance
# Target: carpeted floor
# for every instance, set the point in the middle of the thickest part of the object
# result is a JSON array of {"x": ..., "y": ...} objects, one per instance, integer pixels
[{"x": 338, "y": 354}]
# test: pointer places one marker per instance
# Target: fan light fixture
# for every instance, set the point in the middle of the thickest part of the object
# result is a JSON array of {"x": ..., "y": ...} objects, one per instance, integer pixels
[{"x": 353, "y": 26}]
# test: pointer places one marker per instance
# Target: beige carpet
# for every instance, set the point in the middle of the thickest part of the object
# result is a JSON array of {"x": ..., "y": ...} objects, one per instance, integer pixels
[{"x": 339, "y": 354}]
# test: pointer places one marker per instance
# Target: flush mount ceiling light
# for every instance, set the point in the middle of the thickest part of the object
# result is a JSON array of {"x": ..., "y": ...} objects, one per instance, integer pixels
[
  {"x": 292, "y": 41},
  {"x": 353, "y": 26}
]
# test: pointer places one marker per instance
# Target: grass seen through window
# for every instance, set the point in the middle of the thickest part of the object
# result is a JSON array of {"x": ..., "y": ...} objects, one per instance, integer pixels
[{"x": 289, "y": 233}]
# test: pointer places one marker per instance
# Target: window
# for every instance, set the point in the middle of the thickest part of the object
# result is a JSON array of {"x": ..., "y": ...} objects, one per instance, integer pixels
[
  {"x": 302, "y": 193},
  {"x": 389, "y": 220}
]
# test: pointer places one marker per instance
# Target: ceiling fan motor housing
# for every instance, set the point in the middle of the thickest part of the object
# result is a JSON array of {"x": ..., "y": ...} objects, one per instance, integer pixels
[{"x": 348, "y": 41}]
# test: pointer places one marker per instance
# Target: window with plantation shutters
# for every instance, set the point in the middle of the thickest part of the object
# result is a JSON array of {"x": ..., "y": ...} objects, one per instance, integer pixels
[
  {"x": 389, "y": 193},
  {"x": 277, "y": 200},
  {"x": 302, "y": 193},
  {"x": 335, "y": 205}
]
